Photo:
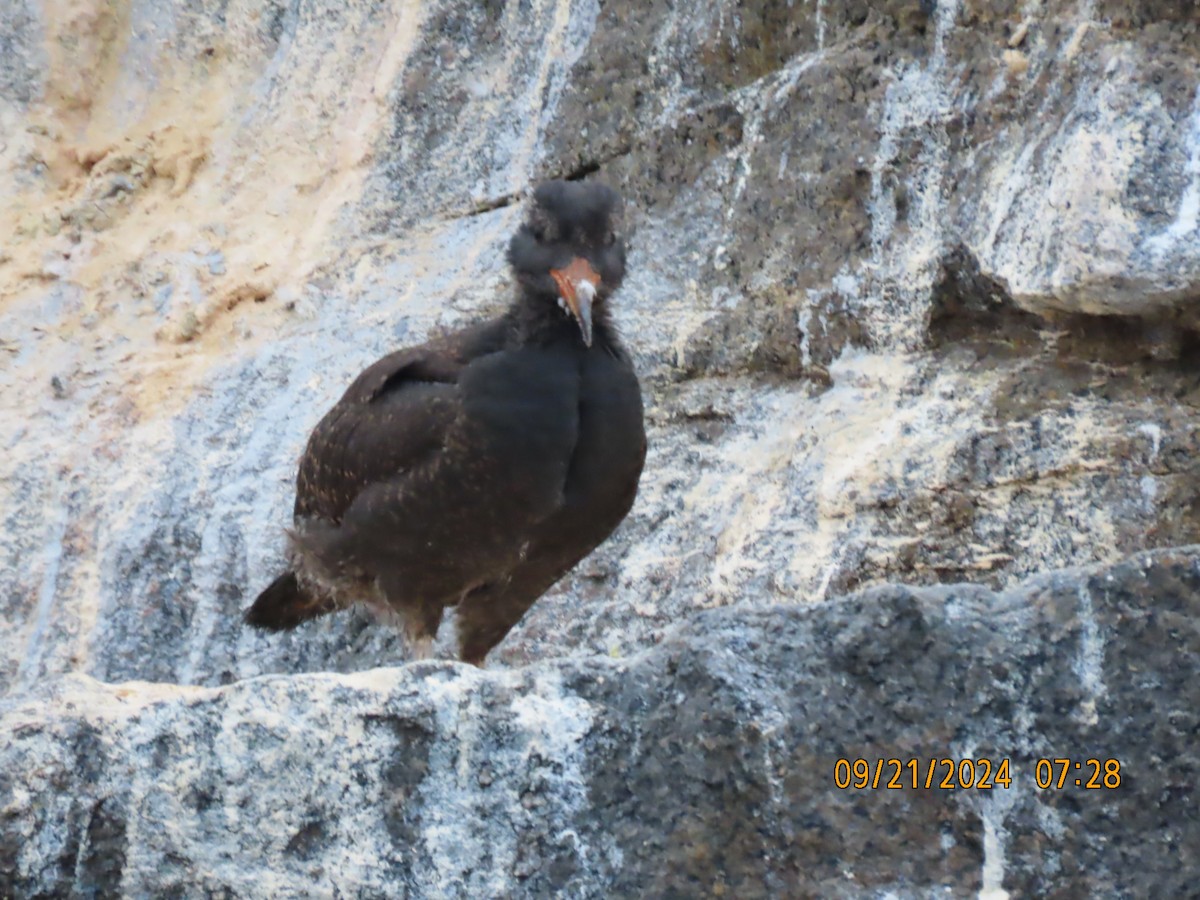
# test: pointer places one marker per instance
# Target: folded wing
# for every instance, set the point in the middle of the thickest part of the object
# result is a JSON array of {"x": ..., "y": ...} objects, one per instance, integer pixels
[{"x": 393, "y": 418}]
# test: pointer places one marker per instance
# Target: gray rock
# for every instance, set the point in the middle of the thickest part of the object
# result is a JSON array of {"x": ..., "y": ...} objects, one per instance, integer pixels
[{"x": 705, "y": 766}]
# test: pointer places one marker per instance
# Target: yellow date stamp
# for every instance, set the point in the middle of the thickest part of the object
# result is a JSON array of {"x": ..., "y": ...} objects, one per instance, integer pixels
[
  {"x": 932, "y": 773},
  {"x": 947, "y": 773}
]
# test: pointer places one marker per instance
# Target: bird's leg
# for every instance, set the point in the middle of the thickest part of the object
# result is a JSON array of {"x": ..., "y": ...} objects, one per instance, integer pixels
[
  {"x": 419, "y": 620},
  {"x": 420, "y": 648},
  {"x": 485, "y": 616},
  {"x": 420, "y": 628}
]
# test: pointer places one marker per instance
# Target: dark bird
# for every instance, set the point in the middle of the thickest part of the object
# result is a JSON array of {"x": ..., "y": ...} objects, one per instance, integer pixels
[{"x": 477, "y": 469}]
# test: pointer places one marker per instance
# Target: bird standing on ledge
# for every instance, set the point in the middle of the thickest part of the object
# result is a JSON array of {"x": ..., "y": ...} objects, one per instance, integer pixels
[{"x": 478, "y": 468}]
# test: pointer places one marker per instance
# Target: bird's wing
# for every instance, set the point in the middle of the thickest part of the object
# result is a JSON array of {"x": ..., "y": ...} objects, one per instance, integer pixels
[{"x": 395, "y": 415}]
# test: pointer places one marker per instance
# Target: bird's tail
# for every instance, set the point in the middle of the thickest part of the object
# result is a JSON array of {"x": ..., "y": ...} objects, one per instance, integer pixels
[{"x": 285, "y": 604}]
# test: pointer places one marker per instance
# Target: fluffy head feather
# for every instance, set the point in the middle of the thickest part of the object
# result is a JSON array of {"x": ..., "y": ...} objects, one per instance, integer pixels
[{"x": 569, "y": 219}]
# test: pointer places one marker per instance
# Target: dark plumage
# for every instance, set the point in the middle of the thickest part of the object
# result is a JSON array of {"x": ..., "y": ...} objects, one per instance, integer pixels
[{"x": 478, "y": 468}]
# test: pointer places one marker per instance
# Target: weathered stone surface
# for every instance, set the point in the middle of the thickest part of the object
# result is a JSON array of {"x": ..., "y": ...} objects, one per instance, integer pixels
[
  {"x": 913, "y": 294},
  {"x": 198, "y": 261},
  {"x": 702, "y": 767}
]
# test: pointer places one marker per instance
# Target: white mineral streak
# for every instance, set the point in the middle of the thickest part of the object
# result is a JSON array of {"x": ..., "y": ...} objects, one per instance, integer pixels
[
  {"x": 994, "y": 837},
  {"x": 1089, "y": 665},
  {"x": 1186, "y": 226},
  {"x": 903, "y": 267}
]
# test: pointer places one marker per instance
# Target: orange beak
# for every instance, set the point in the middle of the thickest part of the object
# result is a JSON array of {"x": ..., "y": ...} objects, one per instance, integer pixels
[{"x": 577, "y": 285}]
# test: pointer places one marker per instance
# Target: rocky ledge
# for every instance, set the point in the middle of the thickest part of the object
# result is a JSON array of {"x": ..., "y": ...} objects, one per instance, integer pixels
[{"x": 706, "y": 766}]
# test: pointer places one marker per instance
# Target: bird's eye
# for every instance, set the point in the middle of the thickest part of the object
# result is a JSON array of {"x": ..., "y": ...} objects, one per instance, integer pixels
[{"x": 538, "y": 232}]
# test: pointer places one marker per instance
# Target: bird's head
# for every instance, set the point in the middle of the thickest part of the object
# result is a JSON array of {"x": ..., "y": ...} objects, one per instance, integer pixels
[{"x": 567, "y": 251}]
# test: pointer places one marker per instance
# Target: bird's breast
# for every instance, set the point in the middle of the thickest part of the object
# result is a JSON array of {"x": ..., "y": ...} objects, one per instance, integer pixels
[
  {"x": 611, "y": 446},
  {"x": 521, "y": 421}
]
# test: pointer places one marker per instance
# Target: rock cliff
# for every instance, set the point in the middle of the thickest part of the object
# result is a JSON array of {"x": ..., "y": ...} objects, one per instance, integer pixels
[{"x": 914, "y": 293}]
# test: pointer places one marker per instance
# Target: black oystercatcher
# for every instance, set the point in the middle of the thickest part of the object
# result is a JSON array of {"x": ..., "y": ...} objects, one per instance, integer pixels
[{"x": 476, "y": 469}]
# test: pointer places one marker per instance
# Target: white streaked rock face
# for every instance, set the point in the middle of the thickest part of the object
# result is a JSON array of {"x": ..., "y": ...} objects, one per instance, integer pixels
[{"x": 913, "y": 294}]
